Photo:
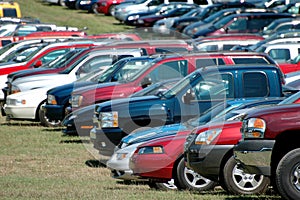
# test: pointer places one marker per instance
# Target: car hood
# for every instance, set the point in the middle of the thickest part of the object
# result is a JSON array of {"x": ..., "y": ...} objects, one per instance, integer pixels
[
  {"x": 83, "y": 89},
  {"x": 41, "y": 77},
  {"x": 153, "y": 133},
  {"x": 68, "y": 88}
]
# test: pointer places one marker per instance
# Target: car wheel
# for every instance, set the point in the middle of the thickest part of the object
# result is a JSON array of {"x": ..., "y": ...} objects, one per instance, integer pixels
[
  {"x": 163, "y": 186},
  {"x": 61, "y": 3},
  {"x": 236, "y": 181},
  {"x": 94, "y": 9},
  {"x": 288, "y": 175},
  {"x": 111, "y": 10},
  {"x": 44, "y": 120},
  {"x": 187, "y": 179}
]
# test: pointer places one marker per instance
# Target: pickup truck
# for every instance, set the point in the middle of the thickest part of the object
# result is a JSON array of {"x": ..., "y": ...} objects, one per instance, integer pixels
[
  {"x": 270, "y": 147},
  {"x": 188, "y": 98}
]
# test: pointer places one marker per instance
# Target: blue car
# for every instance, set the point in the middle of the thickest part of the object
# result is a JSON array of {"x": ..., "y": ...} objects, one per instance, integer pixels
[{"x": 90, "y": 6}]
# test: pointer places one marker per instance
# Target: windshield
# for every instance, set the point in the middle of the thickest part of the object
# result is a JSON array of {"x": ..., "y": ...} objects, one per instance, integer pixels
[
  {"x": 71, "y": 67},
  {"x": 7, "y": 47},
  {"x": 180, "y": 85},
  {"x": 126, "y": 71},
  {"x": 62, "y": 60},
  {"x": 222, "y": 22},
  {"x": 22, "y": 54}
]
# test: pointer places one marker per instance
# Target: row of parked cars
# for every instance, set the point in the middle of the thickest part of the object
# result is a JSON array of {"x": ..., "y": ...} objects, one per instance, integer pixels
[{"x": 171, "y": 112}]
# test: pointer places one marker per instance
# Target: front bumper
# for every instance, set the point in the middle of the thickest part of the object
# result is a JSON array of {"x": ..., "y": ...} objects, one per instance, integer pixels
[
  {"x": 254, "y": 156},
  {"x": 206, "y": 159},
  {"x": 105, "y": 140},
  {"x": 19, "y": 112},
  {"x": 54, "y": 112},
  {"x": 78, "y": 126}
]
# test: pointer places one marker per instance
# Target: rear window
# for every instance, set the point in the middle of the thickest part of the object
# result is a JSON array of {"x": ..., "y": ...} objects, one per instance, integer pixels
[
  {"x": 250, "y": 60},
  {"x": 9, "y": 12},
  {"x": 259, "y": 89},
  {"x": 204, "y": 62}
]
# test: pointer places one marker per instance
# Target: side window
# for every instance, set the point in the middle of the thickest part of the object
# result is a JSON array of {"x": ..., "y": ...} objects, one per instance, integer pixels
[
  {"x": 174, "y": 69},
  {"x": 213, "y": 87},
  {"x": 280, "y": 55},
  {"x": 255, "y": 84},
  {"x": 250, "y": 60},
  {"x": 52, "y": 55},
  {"x": 204, "y": 62},
  {"x": 238, "y": 24}
]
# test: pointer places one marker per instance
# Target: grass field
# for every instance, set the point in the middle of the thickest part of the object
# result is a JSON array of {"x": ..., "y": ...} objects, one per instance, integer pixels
[{"x": 39, "y": 163}]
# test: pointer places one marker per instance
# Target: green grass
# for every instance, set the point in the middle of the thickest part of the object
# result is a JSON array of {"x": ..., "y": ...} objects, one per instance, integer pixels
[
  {"x": 39, "y": 163},
  {"x": 64, "y": 16}
]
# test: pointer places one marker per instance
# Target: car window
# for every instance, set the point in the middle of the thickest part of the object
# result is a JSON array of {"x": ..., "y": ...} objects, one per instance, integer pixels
[
  {"x": 259, "y": 89},
  {"x": 238, "y": 24},
  {"x": 212, "y": 87},
  {"x": 248, "y": 60},
  {"x": 203, "y": 62},
  {"x": 168, "y": 70},
  {"x": 280, "y": 55},
  {"x": 52, "y": 55}
]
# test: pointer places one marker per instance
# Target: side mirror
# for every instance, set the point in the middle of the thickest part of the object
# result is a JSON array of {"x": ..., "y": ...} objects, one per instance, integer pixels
[
  {"x": 38, "y": 64},
  {"x": 146, "y": 82}
]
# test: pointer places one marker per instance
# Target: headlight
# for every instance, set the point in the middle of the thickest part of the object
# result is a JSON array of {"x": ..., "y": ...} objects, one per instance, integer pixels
[
  {"x": 76, "y": 101},
  {"x": 51, "y": 99},
  {"x": 133, "y": 17},
  {"x": 15, "y": 89},
  {"x": 207, "y": 137},
  {"x": 151, "y": 150},
  {"x": 121, "y": 156},
  {"x": 108, "y": 119},
  {"x": 84, "y": 2},
  {"x": 254, "y": 128},
  {"x": 15, "y": 102}
]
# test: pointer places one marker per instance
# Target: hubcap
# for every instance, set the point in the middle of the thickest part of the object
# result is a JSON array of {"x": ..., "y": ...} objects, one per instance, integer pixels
[
  {"x": 245, "y": 181},
  {"x": 295, "y": 178},
  {"x": 195, "y": 179}
]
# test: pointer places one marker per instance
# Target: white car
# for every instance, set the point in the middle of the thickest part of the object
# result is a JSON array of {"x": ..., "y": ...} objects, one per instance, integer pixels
[{"x": 29, "y": 93}]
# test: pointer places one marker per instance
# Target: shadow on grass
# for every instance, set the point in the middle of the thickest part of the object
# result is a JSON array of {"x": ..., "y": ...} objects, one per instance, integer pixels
[
  {"x": 76, "y": 141},
  {"x": 94, "y": 163}
]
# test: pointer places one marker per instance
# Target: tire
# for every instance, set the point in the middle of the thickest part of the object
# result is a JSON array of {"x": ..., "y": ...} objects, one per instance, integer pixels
[
  {"x": 187, "y": 179},
  {"x": 162, "y": 186},
  {"x": 111, "y": 10},
  {"x": 288, "y": 175},
  {"x": 44, "y": 120},
  {"x": 238, "y": 182}
]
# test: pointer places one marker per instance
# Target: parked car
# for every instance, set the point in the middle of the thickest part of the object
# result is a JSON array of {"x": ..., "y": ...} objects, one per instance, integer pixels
[
  {"x": 283, "y": 53},
  {"x": 242, "y": 23},
  {"x": 107, "y": 7},
  {"x": 89, "y": 5},
  {"x": 132, "y": 19},
  {"x": 269, "y": 147},
  {"x": 168, "y": 164},
  {"x": 149, "y": 20},
  {"x": 279, "y": 25}
]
